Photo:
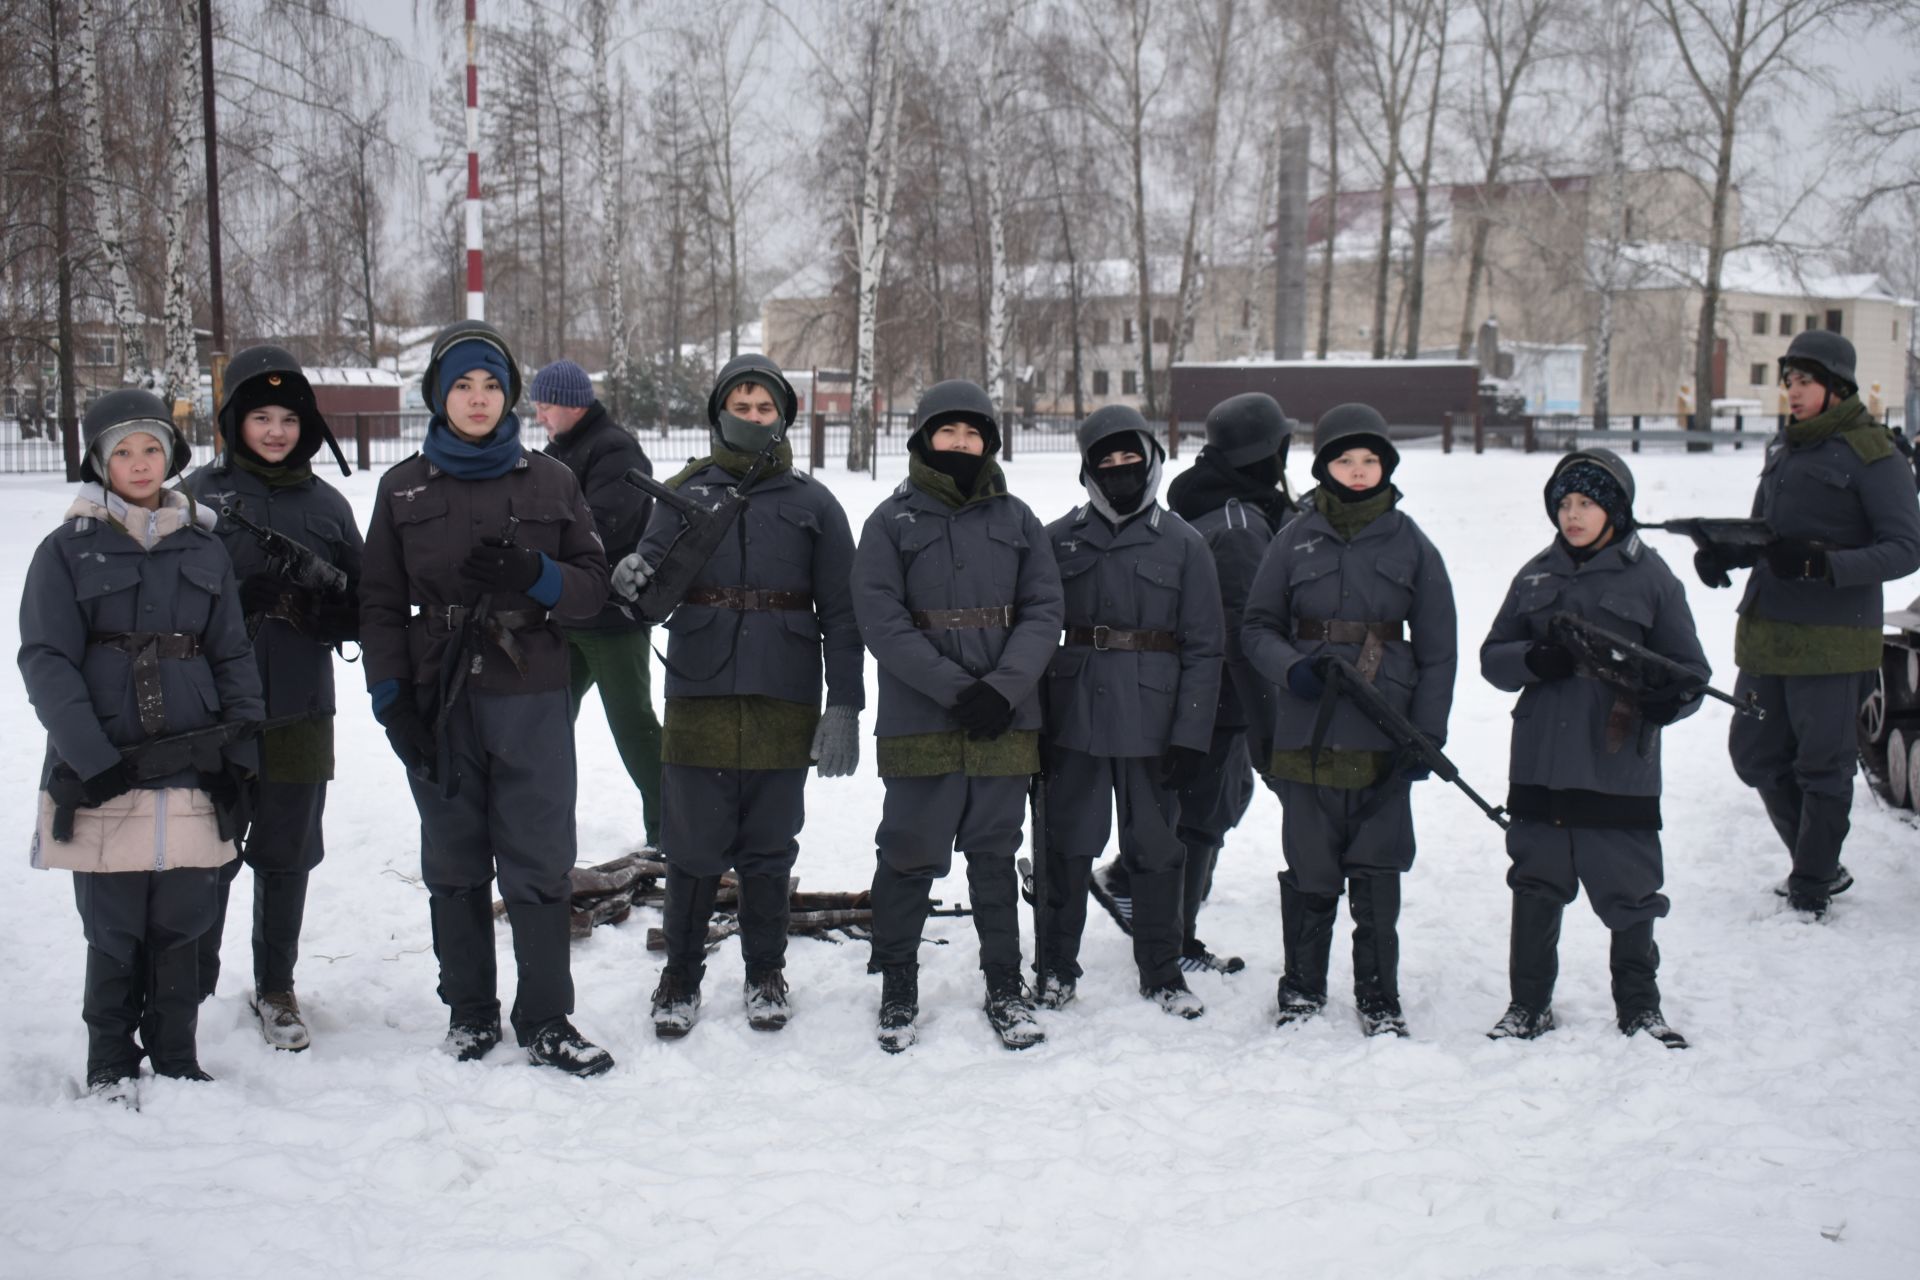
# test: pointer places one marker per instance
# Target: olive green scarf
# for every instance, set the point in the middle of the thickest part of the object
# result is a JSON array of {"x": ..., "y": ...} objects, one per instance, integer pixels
[{"x": 1349, "y": 518}]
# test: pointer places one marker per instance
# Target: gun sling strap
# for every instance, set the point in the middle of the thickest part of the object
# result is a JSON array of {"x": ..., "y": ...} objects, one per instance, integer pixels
[
  {"x": 1124, "y": 640},
  {"x": 1372, "y": 637},
  {"x": 499, "y": 627},
  {"x": 750, "y": 599},
  {"x": 146, "y": 648},
  {"x": 993, "y": 615}
]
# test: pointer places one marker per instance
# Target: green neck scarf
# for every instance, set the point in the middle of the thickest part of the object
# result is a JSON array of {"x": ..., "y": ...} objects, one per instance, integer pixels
[
  {"x": 276, "y": 477},
  {"x": 991, "y": 482},
  {"x": 1844, "y": 416},
  {"x": 1349, "y": 518},
  {"x": 736, "y": 464}
]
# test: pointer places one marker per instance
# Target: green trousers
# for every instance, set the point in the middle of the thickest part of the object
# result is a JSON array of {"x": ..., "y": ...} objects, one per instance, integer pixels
[{"x": 619, "y": 663}]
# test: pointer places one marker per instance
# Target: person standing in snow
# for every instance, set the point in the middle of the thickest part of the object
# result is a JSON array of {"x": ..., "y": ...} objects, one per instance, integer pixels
[
  {"x": 1839, "y": 498},
  {"x": 130, "y": 629},
  {"x": 958, "y": 598},
  {"x": 1356, "y": 577},
  {"x": 1131, "y": 699},
  {"x": 475, "y": 547},
  {"x": 1235, "y": 496},
  {"x": 609, "y": 651},
  {"x": 1585, "y": 773},
  {"x": 745, "y": 652},
  {"x": 273, "y": 429}
]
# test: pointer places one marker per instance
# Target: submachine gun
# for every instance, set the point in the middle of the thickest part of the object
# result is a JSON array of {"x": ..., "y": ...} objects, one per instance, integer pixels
[{"x": 702, "y": 530}]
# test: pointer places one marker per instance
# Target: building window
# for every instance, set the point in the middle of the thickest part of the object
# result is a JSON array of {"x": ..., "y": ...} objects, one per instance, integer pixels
[
  {"x": 1099, "y": 382},
  {"x": 1162, "y": 331},
  {"x": 99, "y": 349},
  {"x": 1126, "y": 329},
  {"x": 1129, "y": 383},
  {"x": 1759, "y": 323},
  {"x": 1813, "y": 322},
  {"x": 1759, "y": 372},
  {"x": 1102, "y": 333},
  {"x": 1833, "y": 322},
  {"x": 1786, "y": 324}
]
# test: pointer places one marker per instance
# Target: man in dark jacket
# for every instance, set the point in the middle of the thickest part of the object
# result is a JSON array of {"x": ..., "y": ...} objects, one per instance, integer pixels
[
  {"x": 745, "y": 652},
  {"x": 1131, "y": 698},
  {"x": 1840, "y": 499},
  {"x": 1235, "y": 496},
  {"x": 611, "y": 649}
]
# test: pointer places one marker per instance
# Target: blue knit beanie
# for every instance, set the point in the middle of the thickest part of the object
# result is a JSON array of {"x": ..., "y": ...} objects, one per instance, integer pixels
[
  {"x": 563, "y": 383},
  {"x": 466, "y": 356}
]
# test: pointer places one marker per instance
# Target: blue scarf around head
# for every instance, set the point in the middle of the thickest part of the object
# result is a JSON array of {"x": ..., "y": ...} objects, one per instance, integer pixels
[{"x": 465, "y": 459}]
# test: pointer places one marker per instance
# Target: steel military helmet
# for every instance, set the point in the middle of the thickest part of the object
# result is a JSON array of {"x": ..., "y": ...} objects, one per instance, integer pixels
[
  {"x": 1113, "y": 420},
  {"x": 1352, "y": 426},
  {"x": 268, "y": 375},
  {"x": 753, "y": 367},
  {"x": 957, "y": 398},
  {"x": 130, "y": 408},
  {"x": 1246, "y": 428},
  {"x": 1826, "y": 355},
  {"x": 1595, "y": 473},
  {"x": 463, "y": 331}
]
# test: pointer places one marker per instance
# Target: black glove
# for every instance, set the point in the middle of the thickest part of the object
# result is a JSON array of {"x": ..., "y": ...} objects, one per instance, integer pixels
[
  {"x": 982, "y": 711},
  {"x": 494, "y": 568},
  {"x": 1550, "y": 660},
  {"x": 1304, "y": 680},
  {"x": 233, "y": 791},
  {"x": 1665, "y": 708},
  {"x": 335, "y": 621},
  {"x": 1797, "y": 560},
  {"x": 1181, "y": 765},
  {"x": 260, "y": 592},
  {"x": 410, "y": 735},
  {"x": 70, "y": 791},
  {"x": 1712, "y": 568}
]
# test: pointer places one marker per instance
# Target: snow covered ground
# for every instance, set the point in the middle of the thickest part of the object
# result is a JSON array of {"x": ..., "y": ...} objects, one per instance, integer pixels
[{"x": 1785, "y": 1143}]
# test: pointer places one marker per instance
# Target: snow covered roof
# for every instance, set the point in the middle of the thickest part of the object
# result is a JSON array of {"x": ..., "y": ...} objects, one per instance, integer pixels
[
  {"x": 1099, "y": 278},
  {"x": 341, "y": 376},
  {"x": 1766, "y": 272}
]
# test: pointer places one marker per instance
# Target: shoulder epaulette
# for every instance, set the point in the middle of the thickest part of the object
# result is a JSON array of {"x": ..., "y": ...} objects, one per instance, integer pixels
[
  {"x": 1236, "y": 513},
  {"x": 904, "y": 489},
  {"x": 1632, "y": 549}
]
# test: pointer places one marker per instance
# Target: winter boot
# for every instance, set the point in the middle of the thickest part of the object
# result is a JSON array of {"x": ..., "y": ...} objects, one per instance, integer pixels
[
  {"x": 765, "y": 904},
  {"x": 1824, "y": 824},
  {"x": 1156, "y": 929},
  {"x": 172, "y": 1014},
  {"x": 280, "y": 1022},
  {"x": 1010, "y": 1010},
  {"x": 463, "y": 944},
  {"x": 1374, "y": 902},
  {"x": 558, "y": 1045},
  {"x": 208, "y": 943},
  {"x": 1841, "y": 882},
  {"x": 676, "y": 1002},
  {"x": 279, "y": 907},
  {"x": 1195, "y": 958},
  {"x": 1533, "y": 965},
  {"x": 1057, "y": 991},
  {"x": 543, "y": 967},
  {"x": 899, "y": 1006},
  {"x": 110, "y": 1006},
  {"x": 765, "y": 995},
  {"x": 1175, "y": 997},
  {"x": 684, "y": 914},
  {"x": 1306, "y": 921},
  {"x": 1635, "y": 960},
  {"x": 1112, "y": 888}
]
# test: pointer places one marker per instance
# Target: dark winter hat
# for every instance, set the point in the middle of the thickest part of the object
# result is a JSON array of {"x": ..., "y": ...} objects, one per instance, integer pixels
[
  {"x": 755, "y": 368},
  {"x": 472, "y": 355},
  {"x": 119, "y": 414},
  {"x": 1826, "y": 357},
  {"x": 1598, "y": 474},
  {"x": 1243, "y": 429},
  {"x": 1352, "y": 426},
  {"x": 563, "y": 383},
  {"x": 267, "y": 375},
  {"x": 455, "y": 336},
  {"x": 956, "y": 398}
]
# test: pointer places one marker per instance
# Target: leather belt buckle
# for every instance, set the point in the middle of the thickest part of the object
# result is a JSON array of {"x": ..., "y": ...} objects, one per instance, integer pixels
[{"x": 1100, "y": 634}]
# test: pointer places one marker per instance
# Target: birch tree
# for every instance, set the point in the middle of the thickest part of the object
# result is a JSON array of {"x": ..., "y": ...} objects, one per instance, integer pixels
[
  {"x": 1440, "y": 19},
  {"x": 879, "y": 171},
  {"x": 723, "y": 46},
  {"x": 1389, "y": 40},
  {"x": 1212, "y": 30},
  {"x": 106, "y": 209},
  {"x": 997, "y": 105},
  {"x": 182, "y": 369}
]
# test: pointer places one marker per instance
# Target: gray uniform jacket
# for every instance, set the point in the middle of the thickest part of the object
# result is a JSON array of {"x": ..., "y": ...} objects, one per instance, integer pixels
[
  {"x": 917, "y": 553},
  {"x": 88, "y": 578},
  {"x": 599, "y": 451},
  {"x": 1237, "y": 535},
  {"x": 1560, "y": 727},
  {"x": 1828, "y": 492},
  {"x": 296, "y": 672},
  {"x": 1153, "y": 573},
  {"x": 425, "y": 522},
  {"x": 793, "y": 536},
  {"x": 1389, "y": 573}
]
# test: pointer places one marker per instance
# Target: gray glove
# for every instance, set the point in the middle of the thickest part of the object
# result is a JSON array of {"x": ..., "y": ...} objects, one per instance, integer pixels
[
  {"x": 631, "y": 574},
  {"x": 836, "y": 742}
]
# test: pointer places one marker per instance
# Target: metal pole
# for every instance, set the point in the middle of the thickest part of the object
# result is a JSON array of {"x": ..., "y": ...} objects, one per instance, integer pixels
[
  {"x": 476, "y": 293},
  {"x": 217, "y": 300}
]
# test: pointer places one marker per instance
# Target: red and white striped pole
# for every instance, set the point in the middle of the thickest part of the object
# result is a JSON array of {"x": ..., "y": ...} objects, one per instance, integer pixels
[{"x": 476, "y": 292}]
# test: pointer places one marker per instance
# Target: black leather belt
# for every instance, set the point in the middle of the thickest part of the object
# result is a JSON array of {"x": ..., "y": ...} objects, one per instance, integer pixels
[
  {"x": 147, "y": 648},
  {"x": 1124, "y": 640},
  {"x": 750, "y": 599},
  {"x": 993, "y": 615}
]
